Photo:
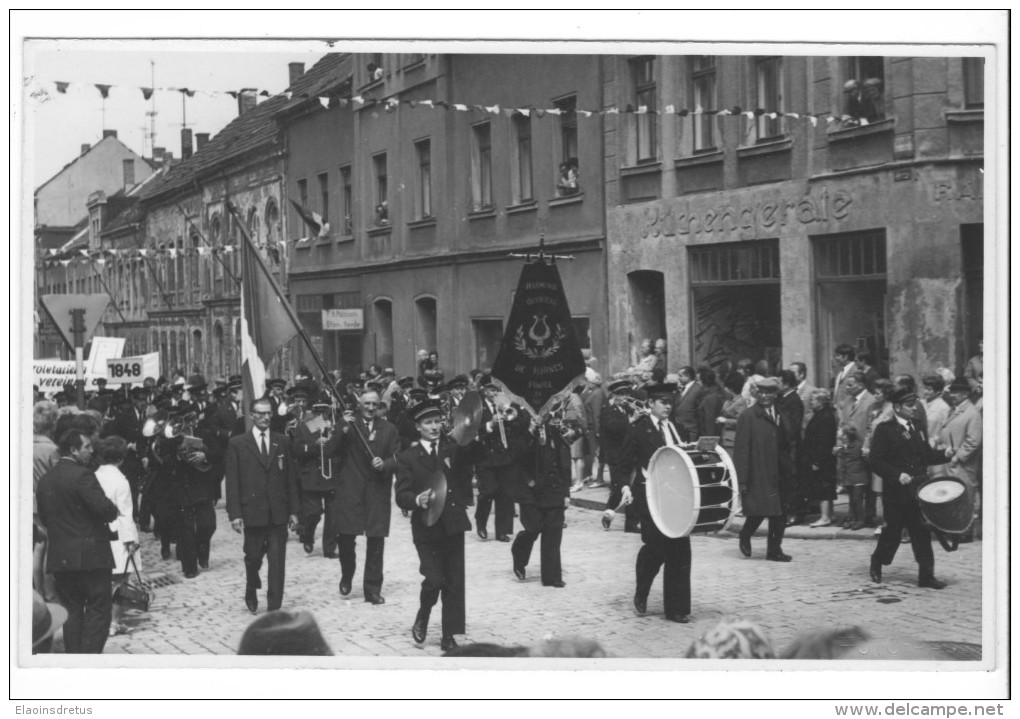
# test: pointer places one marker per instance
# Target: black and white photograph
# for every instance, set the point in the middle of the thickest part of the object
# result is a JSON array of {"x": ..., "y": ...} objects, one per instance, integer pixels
[{"x": 452, "y": 350}]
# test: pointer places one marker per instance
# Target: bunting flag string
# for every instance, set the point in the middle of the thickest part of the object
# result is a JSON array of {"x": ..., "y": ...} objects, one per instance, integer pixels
[
  {"x": 51, "y": 257},
  {"x": 390, "y": 104}
]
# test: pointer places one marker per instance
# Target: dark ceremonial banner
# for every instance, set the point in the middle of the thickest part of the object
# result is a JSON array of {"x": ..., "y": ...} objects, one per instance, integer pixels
[{"x": 539, "y": 356}]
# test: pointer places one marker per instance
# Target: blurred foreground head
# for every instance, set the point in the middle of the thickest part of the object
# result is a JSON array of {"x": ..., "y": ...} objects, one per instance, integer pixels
[{"x": 283, "y": 633}]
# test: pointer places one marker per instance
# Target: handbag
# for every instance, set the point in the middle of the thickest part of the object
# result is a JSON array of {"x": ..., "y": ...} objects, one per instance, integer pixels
[{"x": 132, "y": 594}]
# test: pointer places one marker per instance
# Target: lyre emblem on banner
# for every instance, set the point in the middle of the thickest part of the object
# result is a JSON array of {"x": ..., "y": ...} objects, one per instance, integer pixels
[{"x": 535, "y": 345}]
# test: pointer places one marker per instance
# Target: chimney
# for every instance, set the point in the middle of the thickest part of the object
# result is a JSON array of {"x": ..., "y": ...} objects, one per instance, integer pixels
[
  {"x": 297, "y": 69},
  {"x": 109, "y": 133},
  {"x": 185, "y": 143},
  {"x": 85, "y": 147},
  {"x": 157, "y": 155},
  {"x": 245, "y": 101},
  {"x": 200, "y": 139}
]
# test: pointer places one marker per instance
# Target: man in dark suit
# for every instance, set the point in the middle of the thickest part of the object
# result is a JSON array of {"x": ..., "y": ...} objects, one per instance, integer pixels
[
  {"x": 685, "y": 409},
  {"x": 900, "y": 455},
  {"x": 646, "y": 435},
  {"x": 761, "y": 458},
  {"x": 615, "y": 422},
  {"x": 316, "y": 446},
  {"x": 791, "y": 409},
  {"x": 128, "y": 425},
  {"x": 497, "y": 468},
  {"x": 76, "y": 513},
  {"x": 363, "y": 499},
  {"x": 262, "y": 502},
  {"x": 543, "y": 486},
  {"x": 440, "y": 546}
]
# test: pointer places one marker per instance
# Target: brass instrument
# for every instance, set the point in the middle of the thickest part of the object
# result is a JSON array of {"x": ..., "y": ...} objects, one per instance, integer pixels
[
  {"x": 505, "y": 413},
  {"x": 633, "y": 407},
  {"x": 189, "y": 446}
]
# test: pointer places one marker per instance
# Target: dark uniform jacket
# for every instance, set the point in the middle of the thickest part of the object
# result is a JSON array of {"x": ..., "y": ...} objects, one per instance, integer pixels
[
  {"x": 613, "y": 425},
  {"x": 260, "y": 491},
  {"x": 309, "y": 458},
  {"x": 494, "y": 454},
  {"x": 128, "y": 426},
  {"x": 894, "y": 451},
  {"x": 76, "y": 512},
  {"x": 545, "y": 471},
  {"x": 414, "y": 468}
]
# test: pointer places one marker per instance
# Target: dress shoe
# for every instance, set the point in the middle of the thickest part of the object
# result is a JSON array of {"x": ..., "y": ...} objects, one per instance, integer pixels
[
  {"x": 793, "y": 521},
  {"x": 309, "y": 546},
  {"x": 778, "y": 557},
  {"x": 190, "y": 575},
  {"x": 345, "y": 586},
  {"x": 678, "y": 618},
  {"x": 203, "y": 563},
  {"x": 558, "y": 584},
  {"x": 856, "y": 526},
  {"x": 640, "y": 604},
  {"x": 875, "y": 570},
  {"x": 482, "y": 534},
  {"x": 745, "y": 545},
  {"x": 820, "y": 523},
  {"x": 607, "y": 519},
  {"x": 420, "y": 628},
  {"x": 502, "y": 538},
  {"x": 165, "y": 552},
  {"x": 375, "y": 598},
  {"x": 330, "y": 555},
  {"x": 251, "y": 600},
  {"x": 447, "y": 643},
  {"x": 931, "y": 583},
  {"x": 519, "y": 572}
]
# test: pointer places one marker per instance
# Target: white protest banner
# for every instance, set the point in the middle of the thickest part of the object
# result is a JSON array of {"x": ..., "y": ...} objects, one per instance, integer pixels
[
  {"x": 103, "y": 348},
  {"x": 50, "y": 375},
  {"x": 133, "y": 370}
]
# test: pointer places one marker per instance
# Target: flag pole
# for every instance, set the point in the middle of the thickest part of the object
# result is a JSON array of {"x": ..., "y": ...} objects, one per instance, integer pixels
[{"x": 250, "y": 246}]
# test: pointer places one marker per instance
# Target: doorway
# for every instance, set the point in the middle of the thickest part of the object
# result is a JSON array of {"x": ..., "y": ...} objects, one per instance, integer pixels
[{"x": 648, "y": 309}]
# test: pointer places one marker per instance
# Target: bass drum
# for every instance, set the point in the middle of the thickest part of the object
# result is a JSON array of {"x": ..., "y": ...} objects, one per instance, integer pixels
[{"x": 691, "y": 492}]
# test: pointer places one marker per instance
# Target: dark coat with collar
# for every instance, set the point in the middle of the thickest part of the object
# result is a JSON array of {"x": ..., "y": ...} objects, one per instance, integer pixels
[
  {"x": 894, "y": 451},
  {"x": 364, "y": 499},
  {"x": 262, "y": 492},
  {"x": 76, "y": 512},
  {"x": 414, "y": 468},
  {"x": 791, "y": 406},
  {"x": 545, "y": 471},
  {"x": 614, "y": 424},
  {"x": 762, "y": 460},
  {"x": 128, "y": 426}
]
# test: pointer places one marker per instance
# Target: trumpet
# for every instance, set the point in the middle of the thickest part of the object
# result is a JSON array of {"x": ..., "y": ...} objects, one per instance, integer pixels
[
  {"x": 633, "y": 407},
  {"x": 162, "y": 427},
  {"x": 326, "y": 464}
]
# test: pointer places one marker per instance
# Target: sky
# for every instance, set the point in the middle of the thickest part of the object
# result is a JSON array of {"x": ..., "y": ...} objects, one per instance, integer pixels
[{"x": 57, "y": 124}]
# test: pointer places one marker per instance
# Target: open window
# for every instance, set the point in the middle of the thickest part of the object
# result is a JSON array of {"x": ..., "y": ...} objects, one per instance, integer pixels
[{"x": 863, "y": 90}]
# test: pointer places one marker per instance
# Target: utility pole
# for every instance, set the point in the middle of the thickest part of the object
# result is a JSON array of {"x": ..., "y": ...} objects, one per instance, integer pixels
[
  {"x": 78, "y": 332},
  {"x": 152, "y": 113}
]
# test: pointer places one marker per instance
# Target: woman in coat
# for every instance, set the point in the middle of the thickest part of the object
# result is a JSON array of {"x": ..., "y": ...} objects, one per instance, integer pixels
[
  {"x": 817, "y": 465},
  {"x": 112, "y": 451},
  {"x": 726, "y": 422}
]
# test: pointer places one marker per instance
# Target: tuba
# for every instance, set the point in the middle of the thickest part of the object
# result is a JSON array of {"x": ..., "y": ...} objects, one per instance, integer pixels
[{"x": 633, "y": 407}]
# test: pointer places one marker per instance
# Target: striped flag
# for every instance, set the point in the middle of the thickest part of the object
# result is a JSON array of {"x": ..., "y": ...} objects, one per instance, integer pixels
[{"x": 267, "y": 322}]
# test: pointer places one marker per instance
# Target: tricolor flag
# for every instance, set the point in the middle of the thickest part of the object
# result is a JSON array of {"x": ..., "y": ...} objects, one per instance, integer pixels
[{"x": 267, "y": 322}]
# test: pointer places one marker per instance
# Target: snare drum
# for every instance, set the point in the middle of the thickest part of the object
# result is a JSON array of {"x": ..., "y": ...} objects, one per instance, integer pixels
[{"x": 691, "y": 492}]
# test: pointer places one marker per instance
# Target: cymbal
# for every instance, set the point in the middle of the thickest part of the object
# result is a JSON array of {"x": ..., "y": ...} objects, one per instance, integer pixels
[
  {"x": 466, "y": 419},
  {"x": 437, "y": 487}
]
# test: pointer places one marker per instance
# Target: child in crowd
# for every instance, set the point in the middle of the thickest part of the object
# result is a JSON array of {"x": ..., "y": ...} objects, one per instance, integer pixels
[{"x": 851, "y": 473}]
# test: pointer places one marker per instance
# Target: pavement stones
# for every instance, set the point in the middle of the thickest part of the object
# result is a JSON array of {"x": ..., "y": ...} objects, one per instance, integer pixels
[{"x": 826, "y": 585}]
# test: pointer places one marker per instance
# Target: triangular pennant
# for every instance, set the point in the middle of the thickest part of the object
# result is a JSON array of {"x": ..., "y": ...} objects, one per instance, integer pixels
[
  {"x": 555, "y": 111},
  {"x": 830, "y": 119},
  {"x": 65, "y": 263},
  {"x": 641, "y": 110},
  {"x": 458, "y": 106},
  {"x": 494, "y": 109},
  {"x": 391, "y": 105},
  {"x": 698, "y": 111},
  {"x": 287, "y": 94},
  {"x": 750, "y": 113},
  {"x": 426, "y": 103},
  {"x": 586, "y": 113},
  {"x": 614, "y": 110},
  {"x": 724, "y": 112},
  {"x": 324, "y": 101},
  {"x": 62, "y": 87},
  {"x": 101, "y": 262},
  {"x": 771, "y": 115},
  {"x": 83, "y": 253},
  {"x": 669, "y": 110},
  {"x": 186, "y": 91},
  {"x": 525, "y": 111},
  {"x": 104, "y": 90},
  {"x": 814, "y": 121},
  {"x": 793, "y": 114},
  {"x": 359, "y": 99}
]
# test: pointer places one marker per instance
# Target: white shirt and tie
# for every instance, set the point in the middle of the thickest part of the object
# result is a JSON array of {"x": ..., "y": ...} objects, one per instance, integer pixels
[
  {"x": 261, "y": 440},
  {"x": 667, "y": 431}
]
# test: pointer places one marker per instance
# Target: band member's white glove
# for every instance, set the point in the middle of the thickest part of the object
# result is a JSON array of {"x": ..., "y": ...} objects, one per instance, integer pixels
[
  {"x": 423, "y": 499},
  {"x": 377, "y": 463},
  {"x": 905, "y": 478},
  {"x": 628, "y": 497},
  {"x": 237, "y": 525}
]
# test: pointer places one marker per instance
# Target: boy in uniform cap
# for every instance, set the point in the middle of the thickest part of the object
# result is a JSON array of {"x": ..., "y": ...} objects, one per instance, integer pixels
[
  {"x": 275, "y": 393},
  {"x": 764, "y": 465},
  {"x": 440, "y": 545},
  {"x": 900, "y": 455},
  {"x": 614, "y": 422},
  {"x": 316, "y": 445},
  {"x": 646, "y": 435},
  {"x": 406, "y": 427}
]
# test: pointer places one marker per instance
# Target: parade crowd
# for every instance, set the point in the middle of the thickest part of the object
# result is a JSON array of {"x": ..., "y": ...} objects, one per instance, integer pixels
[{"x": 340, "y": 451}]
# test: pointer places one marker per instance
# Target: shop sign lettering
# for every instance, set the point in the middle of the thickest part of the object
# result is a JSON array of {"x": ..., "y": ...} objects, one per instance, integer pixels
[{"x": 753, "y": 219}]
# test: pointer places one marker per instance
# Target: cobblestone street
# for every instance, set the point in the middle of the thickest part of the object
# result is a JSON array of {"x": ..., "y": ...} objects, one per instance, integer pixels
[{"x": 826, "y": 585}]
